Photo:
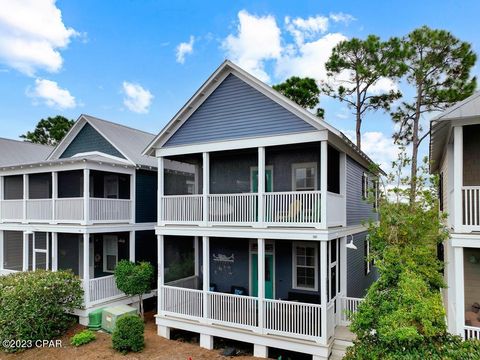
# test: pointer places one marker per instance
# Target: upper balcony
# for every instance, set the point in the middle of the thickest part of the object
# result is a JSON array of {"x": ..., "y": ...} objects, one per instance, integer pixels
[
  {"x": 80, "y": 196},
  {"x": 291, "y": 194}
]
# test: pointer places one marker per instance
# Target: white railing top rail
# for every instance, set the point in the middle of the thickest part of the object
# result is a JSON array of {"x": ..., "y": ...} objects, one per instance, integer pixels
[
  {"x": 476, "y": 187},
  {"x": 182, "y": 196}
]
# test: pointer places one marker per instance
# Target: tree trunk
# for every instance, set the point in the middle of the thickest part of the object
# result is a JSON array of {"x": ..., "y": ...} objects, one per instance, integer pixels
[
  {"x": 359, "y": 116},
  {"x": 413, "y": 172}
]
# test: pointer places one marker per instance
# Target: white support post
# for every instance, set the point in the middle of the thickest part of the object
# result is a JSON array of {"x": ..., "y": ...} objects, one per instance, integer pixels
[
  {"x": 261, "y": 185},
  {"x": 2, "y": 196},
  {"x": 133, "y": 179},
  {"x": 54, "y": 251},
  {"x": 26, "y": 236},
  {"x": 54, "y": 195},
  {"x": 458, "y": 178},
  {"x": 160, "y": 190},
  {"x": 323, "y": 289},
  {"x": 206, "y": 274},
  {"x": 261, "y": 282},
  {"x": 323, "y": 182},
  {"x": 161, "y": 270},
  {"x": 86, "y": 196},
  {"x": 86, "y": 268},
  {"x": 131, "y": 246},
  {"x": 343, "y": 185},
  {"x": 25, "y": 196},
  {"x": 1, "y": 250},
  {"x": 196, "y": 248},
  {"x": 459, "y": 291},
  {"x": 343, "y": 265},
  {"x": 206, "y": 185}
]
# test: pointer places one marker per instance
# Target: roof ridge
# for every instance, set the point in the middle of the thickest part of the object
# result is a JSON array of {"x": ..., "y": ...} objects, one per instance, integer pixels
[{"x": 118, "y": 124}]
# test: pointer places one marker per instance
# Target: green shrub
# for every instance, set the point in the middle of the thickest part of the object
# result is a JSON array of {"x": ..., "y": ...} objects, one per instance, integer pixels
[
  {"x": 128, "y": 334},
  {"x": 35, "y": 305},
  {"x": 82, "y": 338}
]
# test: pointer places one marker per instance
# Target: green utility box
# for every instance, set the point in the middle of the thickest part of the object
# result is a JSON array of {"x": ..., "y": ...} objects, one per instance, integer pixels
[
  {"x": 95, "y": 319},
  {"x": 110, "y": 315}
]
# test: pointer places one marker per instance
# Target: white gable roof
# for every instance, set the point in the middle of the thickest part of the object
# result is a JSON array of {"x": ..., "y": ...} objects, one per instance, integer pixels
[{"x": 15, "y": 152}]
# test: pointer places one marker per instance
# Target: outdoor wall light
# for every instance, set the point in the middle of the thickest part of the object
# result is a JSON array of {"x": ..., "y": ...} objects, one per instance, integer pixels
[{"x": 351, "y": 245}]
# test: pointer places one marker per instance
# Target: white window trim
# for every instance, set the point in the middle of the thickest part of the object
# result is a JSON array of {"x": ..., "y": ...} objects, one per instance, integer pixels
[
  {"x": 105, "y": 239},
  {"x": 369, "y": 268},
  {"x": 296, "y": 166},
  {"x": 364, "y": 186},
  {"x": 294, "y": 265}
]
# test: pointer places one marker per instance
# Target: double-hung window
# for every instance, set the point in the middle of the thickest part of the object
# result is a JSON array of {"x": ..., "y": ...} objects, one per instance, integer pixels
[
  {"x": 110, "y": 253},
  {"x": 304, "y": 176},
  {"x": 305, "y": 266}
]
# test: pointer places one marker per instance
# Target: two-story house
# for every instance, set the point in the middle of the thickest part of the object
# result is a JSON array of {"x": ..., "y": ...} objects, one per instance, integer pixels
[
  {"x": 83, "y": 206},
  {"x": 455, "y": 157},
  {"x": 273, "y": 262}
]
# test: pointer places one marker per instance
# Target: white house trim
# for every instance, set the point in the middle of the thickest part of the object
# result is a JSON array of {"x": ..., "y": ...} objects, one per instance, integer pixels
[{"x": 313, "y": 245}]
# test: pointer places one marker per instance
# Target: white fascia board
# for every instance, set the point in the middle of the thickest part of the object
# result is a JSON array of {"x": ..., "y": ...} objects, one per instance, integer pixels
[
  {"x": 99, "y": 153},
  {"x": 77, "y": 229},
  {"x": 304, "y": 137},
  {"x": 465, "y": 240}
]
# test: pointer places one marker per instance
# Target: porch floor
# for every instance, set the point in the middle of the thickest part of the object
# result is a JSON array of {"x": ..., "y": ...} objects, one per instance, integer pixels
[{"x": 344, "y": 333}]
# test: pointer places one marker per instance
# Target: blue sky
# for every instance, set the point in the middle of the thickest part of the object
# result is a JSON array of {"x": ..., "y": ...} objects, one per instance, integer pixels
[{"x": 120, "y": 60}]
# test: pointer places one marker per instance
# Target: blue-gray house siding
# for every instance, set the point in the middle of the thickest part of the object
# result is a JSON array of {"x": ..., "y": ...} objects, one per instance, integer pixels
[
  {"x": 358, "y": 281},
  {"x": 88, "y": 139},
  {"x": 358, "y": 209},
  {"x": 146, "y": 196},
  {"x": 237, "y": 110}
]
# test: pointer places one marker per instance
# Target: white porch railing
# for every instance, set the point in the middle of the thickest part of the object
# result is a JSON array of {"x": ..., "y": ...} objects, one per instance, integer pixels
[
  {"x": 182, "y": 208},
  {"x": 12, "y": 210},
  {"x": 228, "y": 309},
  {"x": 105, "y": 210},
  {"x": 348, "y": 306},
  {"x": 293, "y": 318},
  {"x": 182, "y": 302},
  {"x": 102, "y": 289},
  {"x": 293, "y": 208},
  {"x": 7, "y": 272},
  {"x": 190, "y": 282},
  {"x": 69, "y": 209},
  {"x": 39, "y": 209},
  {"x": 232, "y": 208},
  {"x": 471, "y": 207},
  {"x": 336, "y": 209},
  {"x": 471, "y": 332}
]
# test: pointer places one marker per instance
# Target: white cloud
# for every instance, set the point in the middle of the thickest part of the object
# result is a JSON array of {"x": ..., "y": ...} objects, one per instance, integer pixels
[
  {"x": 342, "y": 17},
  {"x": 257, "y": 40},
  {"x": 383, "y": 85},
  {"x": 184, "y": 49},
  {"x": 31, "y": 34},
  {"x": 52, "y": 95},
  {"x": 136, "y": 99},
  {"x": 308, "y": 28}
]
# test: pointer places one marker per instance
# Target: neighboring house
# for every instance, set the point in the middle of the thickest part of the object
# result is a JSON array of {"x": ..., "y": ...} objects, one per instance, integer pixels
[
  {"x": 83, "y": 206},
  {"x": 270, "y": 262},
  {"x": 455, "y": 157}
]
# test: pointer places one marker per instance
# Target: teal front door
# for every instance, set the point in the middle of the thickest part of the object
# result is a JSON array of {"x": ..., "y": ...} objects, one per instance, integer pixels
[
  {"x": 268, "y": 180},
  {"x": 268, "y": 275}
]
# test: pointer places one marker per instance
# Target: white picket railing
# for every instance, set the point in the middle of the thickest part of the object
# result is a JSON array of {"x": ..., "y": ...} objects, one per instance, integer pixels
[
  {"x": 12, "y": 210},
  {"x": 293, "y": 318},
  {"x": 103, "y": 288},
  {"x": 182, "y": 208},
  {"x": 471, "y": 332},
  {"x": 39, "y": 209},
  {"x": 232, "y": 208},
  {"x": 228, "y": 309},
  {"x": 471, "y": 206},
  {"x": 293, "y": 207},
  {"x": 69, "y": 209},
  {"x": 336, "y": 209},
  {"x": 104, "y": 210},
  {"x": 348, "y": 306},
  {"x": 182, "y": 302}
]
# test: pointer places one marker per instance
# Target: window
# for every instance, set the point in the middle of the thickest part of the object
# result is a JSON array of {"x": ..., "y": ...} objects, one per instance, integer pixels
[
  {"x": 111, "y": 187},
  {"x": 375, "y": 193},
  {"x": 305, "y": 266},
  {"x": 304, "y": 176},
  {"x": 333, "y": 165},
  {"x": 366, "y": 251},
  {"x": 364, "y": 186},
  {"x": 110, "y": 253}
]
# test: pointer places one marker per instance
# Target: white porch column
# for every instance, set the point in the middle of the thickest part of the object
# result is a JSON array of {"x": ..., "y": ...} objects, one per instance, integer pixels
[
  {"x": 206, "y": 274},
  {"x": 161, "y": 271},
  {"x": 1, "y": 250},
  {"x": 25, "y": 196},
  {"x": 323, "y": 182},
  {"x": 458, "y": 178},
  {"x": 206, "y": 185},
  {"x": 86, "y": 196},
  {"x": 26, "y": 236},
  {"x": 323, "y": 289},
  {"x": 343, "y": 266},
  {"x": 160, "y": 190},
  {"x": 459, "y": 290},
  {"x": 343, "y": 185},
  {"x": 131, "y": 246},
  {"x": 261, "y": 185},
  {"x": 196, "y": 248},
  {"x": 2, "y": 196},
  {"x": 133, "y": 180},
  {"x": 86, "y": 268},
  {"x": 261, "y": 282},
  {"x": 54, "y": 251},
  {"x": 54, "y": 195}
]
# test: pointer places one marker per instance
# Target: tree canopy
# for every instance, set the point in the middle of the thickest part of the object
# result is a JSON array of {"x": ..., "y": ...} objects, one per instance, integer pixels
[{"x": 49, "y": 131}]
